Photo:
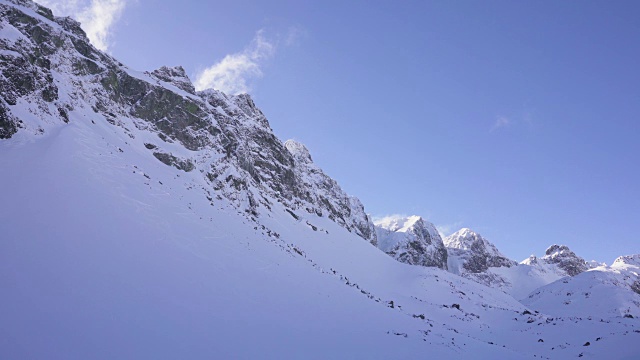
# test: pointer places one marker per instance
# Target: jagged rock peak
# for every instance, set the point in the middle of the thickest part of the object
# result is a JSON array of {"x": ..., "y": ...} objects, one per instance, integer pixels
[
  {"x": 628, "y": 260},
  {"x": 176, "y": 76},
  {"x": 50, "y": 75},
  {"x": 566, "y": 259},
  {"x": 557, "y": 249},
  {"x": 298, "y": 150},
  {"x": 245, "y": 102},
  {"x": 412, "y": 240},
  {"x": 467, "y": 239},
  {"x": 475, "y": 253}
]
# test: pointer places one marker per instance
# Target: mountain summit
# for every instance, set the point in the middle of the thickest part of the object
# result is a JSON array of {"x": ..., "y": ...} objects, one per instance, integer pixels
[
  {"x": 471, "y": 253},
  {"x": 411, "y": 240}
]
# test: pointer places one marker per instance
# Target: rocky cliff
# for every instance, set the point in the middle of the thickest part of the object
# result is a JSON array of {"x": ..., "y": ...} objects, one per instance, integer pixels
[
  {"x": 411, "y": 240},
  {"x": 471, "y": 253},
  {"x": 49, "y": 69}
]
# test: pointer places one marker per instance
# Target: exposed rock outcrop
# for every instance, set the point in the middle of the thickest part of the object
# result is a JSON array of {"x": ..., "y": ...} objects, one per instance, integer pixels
[
  {"x": 411, "y": 240},
  {"x": 566, "y": 259},
  {"x": 50, "y": 68},
  {"x": 471, "y": 253}
]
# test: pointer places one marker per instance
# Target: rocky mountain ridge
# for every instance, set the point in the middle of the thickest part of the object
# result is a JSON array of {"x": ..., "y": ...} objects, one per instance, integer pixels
[
  {"x": 411, "y": 240},
  {"x": 50, "y": 68},
  {"x": 147, "y": 220},
  {"x": 414, "y": 241}
]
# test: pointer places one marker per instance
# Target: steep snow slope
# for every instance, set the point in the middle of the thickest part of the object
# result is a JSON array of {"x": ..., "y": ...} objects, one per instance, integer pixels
[
  {"x": 411, "y": 240},
  {"x": 49, "y": 69},
  {"x": 108, "y": 253},
  {"x": 141, "y": 220},
  {"x": 530, "y": 274}
]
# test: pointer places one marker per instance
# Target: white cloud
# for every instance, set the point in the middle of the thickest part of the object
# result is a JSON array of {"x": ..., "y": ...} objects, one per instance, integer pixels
[
  {"x": 96, "y": 16},
  {"x": 501, "y": 122},
  {"x": 232, "y": 74},
  {"x": 448, "y": 229},
  {"x": 387, "y": 218}
]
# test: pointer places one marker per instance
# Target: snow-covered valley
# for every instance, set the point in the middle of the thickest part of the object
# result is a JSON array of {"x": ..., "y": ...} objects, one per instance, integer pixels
[{"x": 185, "y": 229}]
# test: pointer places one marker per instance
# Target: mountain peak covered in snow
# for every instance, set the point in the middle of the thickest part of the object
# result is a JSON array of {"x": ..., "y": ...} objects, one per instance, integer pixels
[
  {"x": 473, "y": 253},
  {"x": 628, "y": 260},
  {"x": 412, "y": 240},
  {"x": 398, "y": 223},
  {"x": 566, "y": 259}
]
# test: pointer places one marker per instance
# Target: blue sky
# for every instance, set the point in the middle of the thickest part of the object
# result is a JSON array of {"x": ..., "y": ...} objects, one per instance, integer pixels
[{"x": 518, "y": 120}]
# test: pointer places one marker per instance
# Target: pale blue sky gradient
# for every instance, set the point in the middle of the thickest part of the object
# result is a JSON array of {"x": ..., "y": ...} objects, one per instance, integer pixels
[{"x": 517, "y": 119}]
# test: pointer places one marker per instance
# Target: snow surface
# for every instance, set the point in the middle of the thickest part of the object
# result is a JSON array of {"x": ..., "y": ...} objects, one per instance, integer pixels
[{"x": 108, "y": 253}]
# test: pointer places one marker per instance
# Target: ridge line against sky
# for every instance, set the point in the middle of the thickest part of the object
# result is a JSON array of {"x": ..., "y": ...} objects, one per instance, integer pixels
[
  {"x": 97, "y": 17},
  {"x": 522, "y": 115}
]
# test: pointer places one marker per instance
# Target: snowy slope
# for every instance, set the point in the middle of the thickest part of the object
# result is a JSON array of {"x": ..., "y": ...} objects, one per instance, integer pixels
[
  {"x": 112, "y": 254},
  {"x": 602, "y": 292},
  {"x": 475, "y": 258},
  {"x": 143, "y": 220}
]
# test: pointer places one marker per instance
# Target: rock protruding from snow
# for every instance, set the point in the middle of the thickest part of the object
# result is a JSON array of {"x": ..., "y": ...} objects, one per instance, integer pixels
[
  {"x": 325, "y": 196},
  {"x": 50, "y": 72},
  {"x": 411, "y": 240},
  {"x": 566, "y": 259},
  {"x": 469, "y": 252},
  {"x": 176, "y": 76}
]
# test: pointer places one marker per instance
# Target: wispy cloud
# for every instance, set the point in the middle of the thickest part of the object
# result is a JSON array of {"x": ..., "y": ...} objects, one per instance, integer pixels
[
  {"x": 234, "y": 72},
  {"x": 293, "y": 35},
  {"x": 97, "y": 17},
  {"x": 501, "y": 122},
  {"x": 448, "y": 229},
  {"x": 387, "y": 218}
]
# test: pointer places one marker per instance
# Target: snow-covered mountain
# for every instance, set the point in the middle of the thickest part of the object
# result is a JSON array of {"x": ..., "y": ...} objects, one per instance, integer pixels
[
  {"x": 565, "y": 259},
  {"x": 469, "y": 252},
  {"x": 474, "y": 257},
  {"x": 142, "y": 219},
  {"x": 411, "y": 240},
  {"x": 50, "y": 70},
  {"x": 602, "y": 292}
]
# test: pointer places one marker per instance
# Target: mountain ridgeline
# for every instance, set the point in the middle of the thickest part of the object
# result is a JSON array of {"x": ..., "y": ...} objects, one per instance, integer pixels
[
  {"x": 144, "y": 219},
  {"x": 50, "y": 67}
]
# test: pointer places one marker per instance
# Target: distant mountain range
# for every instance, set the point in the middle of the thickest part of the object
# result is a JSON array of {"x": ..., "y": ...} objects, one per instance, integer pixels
[{"x": 144, "y": 219}]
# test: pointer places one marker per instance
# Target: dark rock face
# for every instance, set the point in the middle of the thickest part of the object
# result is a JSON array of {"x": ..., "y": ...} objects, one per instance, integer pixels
[
  {"x": 49, "y": 66},
  {"x": 169, "y": 159},
  {"x": 566, "y": 259},
  {"x": 311, "y": 184},
  {"x": 176, "y": 76},
  {"x": 476, "y": 253},
  {"x": 8, "y": 124}
]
